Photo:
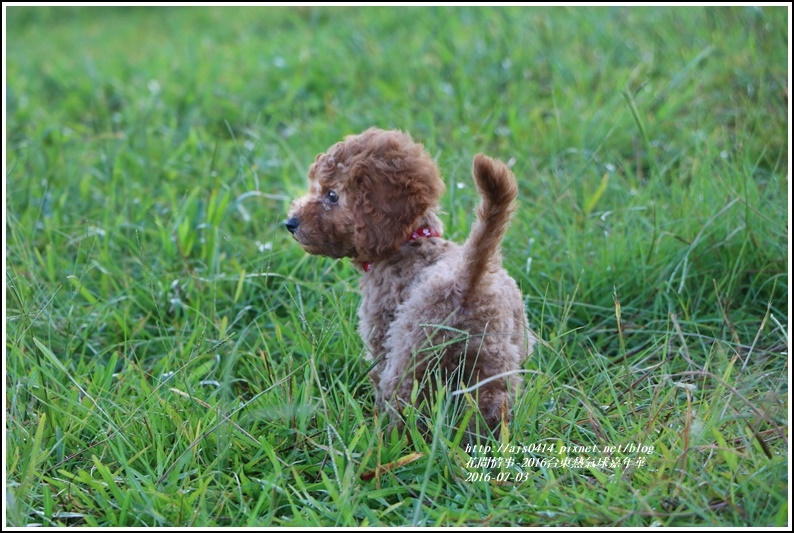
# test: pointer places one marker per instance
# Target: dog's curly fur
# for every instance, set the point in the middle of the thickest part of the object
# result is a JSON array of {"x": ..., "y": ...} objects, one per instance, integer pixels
[{"x": 427, "y": 304}]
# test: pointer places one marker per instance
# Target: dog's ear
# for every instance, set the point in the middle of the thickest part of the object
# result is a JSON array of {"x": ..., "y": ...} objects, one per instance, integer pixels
[{"x": 389, "y": 199}]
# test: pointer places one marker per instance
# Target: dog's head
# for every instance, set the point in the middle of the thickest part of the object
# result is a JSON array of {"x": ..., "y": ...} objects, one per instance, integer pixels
[{"x": 366, "y": 195}]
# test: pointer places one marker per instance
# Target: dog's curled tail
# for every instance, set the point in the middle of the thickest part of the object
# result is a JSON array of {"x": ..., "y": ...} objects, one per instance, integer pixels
[{"x": 498, "y": 189}]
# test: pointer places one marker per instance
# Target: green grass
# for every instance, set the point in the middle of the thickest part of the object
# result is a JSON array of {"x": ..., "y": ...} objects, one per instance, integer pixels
[{"x": 173, "y": 358}]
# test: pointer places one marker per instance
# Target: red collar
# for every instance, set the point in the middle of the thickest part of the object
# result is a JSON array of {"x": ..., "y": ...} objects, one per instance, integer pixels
[{"x": 424, "y": 231}]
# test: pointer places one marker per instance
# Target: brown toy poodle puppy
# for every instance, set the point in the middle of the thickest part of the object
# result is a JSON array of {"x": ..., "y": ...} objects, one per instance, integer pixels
[{"x": 432, "y": 312}]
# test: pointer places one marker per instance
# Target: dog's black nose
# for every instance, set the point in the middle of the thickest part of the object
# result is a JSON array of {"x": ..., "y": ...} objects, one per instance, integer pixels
[{"x": 292, "y": 224}]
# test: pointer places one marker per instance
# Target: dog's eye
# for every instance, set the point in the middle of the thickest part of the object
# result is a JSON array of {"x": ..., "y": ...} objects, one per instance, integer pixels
[{"x": 333, "y": 197}]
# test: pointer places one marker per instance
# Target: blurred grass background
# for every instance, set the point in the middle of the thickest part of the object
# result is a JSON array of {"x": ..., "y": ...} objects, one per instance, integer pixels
[{"x": 173, "y": 358}]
